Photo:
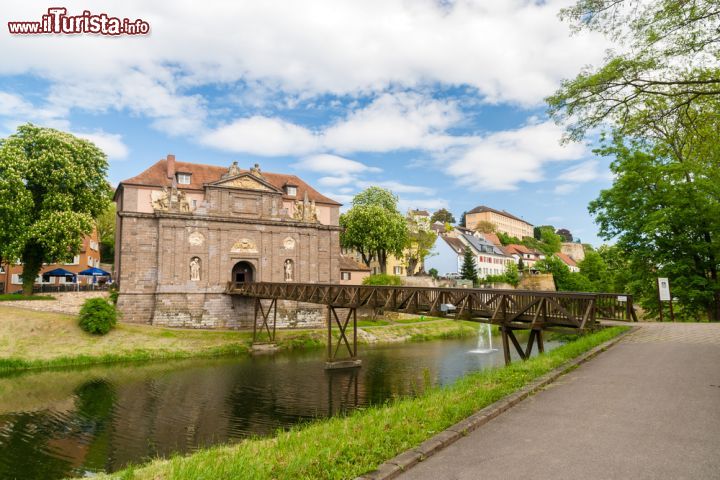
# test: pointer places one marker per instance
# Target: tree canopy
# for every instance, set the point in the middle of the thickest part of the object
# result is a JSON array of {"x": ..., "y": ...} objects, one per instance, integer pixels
[
  {"x": 468, "y": 271},
  {"x": 442, "y": 215},
  {"x": 52, "y": 187},
  {"x": 374, "y": 227},
  {"x": 667, "y": 51}
]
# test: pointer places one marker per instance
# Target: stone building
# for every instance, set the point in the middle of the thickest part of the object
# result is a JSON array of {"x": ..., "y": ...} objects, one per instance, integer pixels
[
  {"x": 503, "y": 221},
  {"x": 185, "y": 230}
]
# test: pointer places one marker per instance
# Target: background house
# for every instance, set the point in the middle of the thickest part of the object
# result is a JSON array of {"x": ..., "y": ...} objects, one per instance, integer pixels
[
  {"x": 352, "y": 272},
  {"x": 88, "y": 256}
]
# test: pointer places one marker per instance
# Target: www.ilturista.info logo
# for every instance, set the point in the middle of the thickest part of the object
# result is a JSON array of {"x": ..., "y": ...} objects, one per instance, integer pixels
[{"x": 58, "y": 22}]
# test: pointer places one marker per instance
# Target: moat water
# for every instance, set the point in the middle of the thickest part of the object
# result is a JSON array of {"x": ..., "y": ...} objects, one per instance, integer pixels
[{"x": 61, "y": 423}]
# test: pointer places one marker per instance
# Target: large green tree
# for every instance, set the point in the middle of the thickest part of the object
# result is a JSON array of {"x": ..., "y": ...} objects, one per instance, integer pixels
[
  {"x": 419, "y": 244},
  {"x": 664, "y": 207},
  {"x": 665, "y": 50},
  {"x": 374, "y": 227},
  {"x": 52, "y": 187},
  {"x": 442, "y": 215}
]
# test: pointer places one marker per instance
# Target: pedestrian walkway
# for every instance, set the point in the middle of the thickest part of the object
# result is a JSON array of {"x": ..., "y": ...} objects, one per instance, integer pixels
[{"x": 649, "y": 407}]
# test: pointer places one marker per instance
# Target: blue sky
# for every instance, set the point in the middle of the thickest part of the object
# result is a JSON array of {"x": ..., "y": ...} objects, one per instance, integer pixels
[{"x": 442, "y": 102}]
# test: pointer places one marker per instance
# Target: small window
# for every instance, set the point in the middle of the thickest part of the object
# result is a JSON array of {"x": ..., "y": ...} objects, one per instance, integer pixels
[
  {"x": 2, "y": 269},
  {"x": 194, "y": 204},
  {"x": 398, "y": 270},
  {"x": 183, "y": 178},
  {"x": 291, "y": 190},
  {"x": 345, "y": 275},
  {"x": 16, "y": 279}
]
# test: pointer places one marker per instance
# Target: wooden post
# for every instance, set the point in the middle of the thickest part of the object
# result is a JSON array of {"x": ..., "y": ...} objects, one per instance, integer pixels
[{"x": 506, "y": 345}]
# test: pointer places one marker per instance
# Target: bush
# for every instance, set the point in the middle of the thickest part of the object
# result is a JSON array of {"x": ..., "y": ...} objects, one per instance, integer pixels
[
  {"x": 97, "y": 316},
  {"x": 114, "y": 295},
  {"x": 382, "y": 279}
]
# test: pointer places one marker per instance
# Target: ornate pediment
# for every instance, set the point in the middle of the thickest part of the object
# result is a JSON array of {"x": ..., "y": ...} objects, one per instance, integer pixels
[
  {"x": 246, "y": 181},
  {"x": 244, "y": 245}
]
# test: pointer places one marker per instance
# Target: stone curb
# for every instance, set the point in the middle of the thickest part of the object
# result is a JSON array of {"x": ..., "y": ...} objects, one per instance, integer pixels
[{"x": 399, "y": 464}]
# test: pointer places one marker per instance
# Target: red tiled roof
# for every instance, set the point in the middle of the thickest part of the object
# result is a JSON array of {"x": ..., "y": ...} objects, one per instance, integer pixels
[
  {"x": 521, "y": 249},
  {"x": 483, "y": 208},
  {"x": 568, "y": 261},
  {"x": 156, "y": 176},
  {"x": 350, "y": 264},
  {"x": 492, "y": 238}
]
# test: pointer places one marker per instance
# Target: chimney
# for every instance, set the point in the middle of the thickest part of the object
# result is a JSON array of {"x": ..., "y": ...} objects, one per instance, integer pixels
[{"x": 171, "y": 166}]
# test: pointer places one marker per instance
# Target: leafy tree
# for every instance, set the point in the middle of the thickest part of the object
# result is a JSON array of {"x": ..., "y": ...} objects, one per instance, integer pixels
[
  {"x": 506, "y": 239},
  {"x": 469, "y": 269},
  {"x": 565, "y": 235},
  {"x": 420, "y": 242},
  {"x": 374, "y": 227},
  {"x": 52, "y": 186},
  {"x": 443, "y": 216},
  {"x": 433, "y": 273},
  {"x": 511, "y": 275},
  {"x": 483, "y": 226},
  {"x": 664, "y": 208},
  {"x": 106, "y": 233},
  {"x": 669, "y": 50},
  {"x": 537, "y": 230},
  {"x": 565, "y": 280}
]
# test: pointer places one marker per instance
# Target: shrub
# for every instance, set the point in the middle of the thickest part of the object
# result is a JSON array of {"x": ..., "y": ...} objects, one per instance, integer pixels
[
  {"x": 114, "y": 295},
  {"x": 382, "y": 279},
  {"x": 97, "y": 316}
]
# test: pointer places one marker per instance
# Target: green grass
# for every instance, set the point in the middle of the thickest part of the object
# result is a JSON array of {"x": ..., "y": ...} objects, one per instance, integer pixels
[
  {"x": 345, "y": 447},
  {"x": 11, "y": 297}
]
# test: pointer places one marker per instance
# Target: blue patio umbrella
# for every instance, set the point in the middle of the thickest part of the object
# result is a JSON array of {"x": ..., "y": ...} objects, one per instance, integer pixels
[
  {"x": 59, "y": 272},
  {"x": 94, "y": 272}
]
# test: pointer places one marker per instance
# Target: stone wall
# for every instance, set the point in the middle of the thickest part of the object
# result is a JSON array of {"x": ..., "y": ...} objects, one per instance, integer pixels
[
  {"x": 158, "y": 286},
  {"x": 537, "y": 282}
]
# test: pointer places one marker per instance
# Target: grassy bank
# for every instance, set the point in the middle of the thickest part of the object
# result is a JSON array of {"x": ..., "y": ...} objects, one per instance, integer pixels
[
  {"x": 14, "y": 297},
  {"x": 31, "y": 339},
  {"x": 350, "y": 446}
]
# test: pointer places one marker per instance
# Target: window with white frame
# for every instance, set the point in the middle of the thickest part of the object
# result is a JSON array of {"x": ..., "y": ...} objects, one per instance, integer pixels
[
  {"x": 398, "y": 270},
  {"x": 2, "y": 269},
  {"x": 75, "y": 260},
  {"x": 291, "y": 190},
  {"x": 345, "y": 275},
  {"x": 16, "y": 279},
  {"x": 183, "y": 178}
]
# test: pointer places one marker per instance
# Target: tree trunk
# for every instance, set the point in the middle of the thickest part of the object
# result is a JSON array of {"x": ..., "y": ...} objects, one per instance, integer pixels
[
  {"x": 382, "y": 260},
  {"x": 32, "y": 263}
]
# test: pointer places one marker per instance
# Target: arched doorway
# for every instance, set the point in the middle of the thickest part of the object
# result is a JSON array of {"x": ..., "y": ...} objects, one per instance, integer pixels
[{"x": 243, "y": 272}]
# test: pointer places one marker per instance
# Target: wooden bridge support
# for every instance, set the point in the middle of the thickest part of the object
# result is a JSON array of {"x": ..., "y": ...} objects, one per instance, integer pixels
[
  {"x": 263, "y": 327},
  {"x": 508, "y": 336},
  {"x": 334, "y": 344}
]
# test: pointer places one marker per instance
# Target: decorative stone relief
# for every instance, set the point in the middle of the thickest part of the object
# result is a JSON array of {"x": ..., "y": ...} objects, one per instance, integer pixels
[
  {"x": 305, "y": 211},
  {"x": 196, "y": 239},
  {"x": 195, "y": 269},
  {"x": 244, "y": 245},
  {"x": 160, "y": 199},
  {"x": 289, "y": 243},
  {"x": 246, "y": 183}
]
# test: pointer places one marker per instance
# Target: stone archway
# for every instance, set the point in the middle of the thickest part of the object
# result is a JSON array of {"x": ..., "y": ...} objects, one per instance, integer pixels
[{"x": 243, "y": 272}]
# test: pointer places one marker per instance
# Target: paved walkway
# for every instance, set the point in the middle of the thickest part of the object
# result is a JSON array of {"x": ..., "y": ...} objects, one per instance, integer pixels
[{"x": 647, "y": 408}]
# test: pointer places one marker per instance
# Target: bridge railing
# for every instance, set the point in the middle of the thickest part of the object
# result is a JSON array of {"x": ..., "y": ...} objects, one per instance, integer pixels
[{"x": 571, "y": 309}]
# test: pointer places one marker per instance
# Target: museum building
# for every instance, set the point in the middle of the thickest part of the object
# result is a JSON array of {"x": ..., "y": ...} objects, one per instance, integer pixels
[{"x": 185, "y": 230}]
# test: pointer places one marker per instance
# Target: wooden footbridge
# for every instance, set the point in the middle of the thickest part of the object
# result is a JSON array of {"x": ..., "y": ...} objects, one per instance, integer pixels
[{"x": 511, "y": 310}]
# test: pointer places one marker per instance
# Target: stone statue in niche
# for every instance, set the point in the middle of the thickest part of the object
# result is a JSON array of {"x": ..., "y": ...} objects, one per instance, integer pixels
[
  {"x": 195, "y": 269},
  {"x": 288, "y": 270}
]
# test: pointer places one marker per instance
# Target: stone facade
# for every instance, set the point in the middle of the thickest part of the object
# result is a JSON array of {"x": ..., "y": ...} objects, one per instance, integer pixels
[{"x": 179, "y": 244}]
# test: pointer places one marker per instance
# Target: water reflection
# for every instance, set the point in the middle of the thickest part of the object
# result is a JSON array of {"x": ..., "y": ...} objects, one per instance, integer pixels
[{"x": 61, "y": 423}]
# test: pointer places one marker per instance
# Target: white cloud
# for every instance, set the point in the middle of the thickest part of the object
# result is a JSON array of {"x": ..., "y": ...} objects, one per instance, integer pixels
[
  {"x": 393, "y": 122},
  {"x": 565, "y": 188},
  {"x": 262, "y": 136},
  {"x": 110, "y": 143},
  {"x": 502, "y": 160},
  {"x": 512, "y": 51},
  {"x": 583, "y": 172},
  {"x": 337, "y": 165},
  {"x": 397, "y": 187}
]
